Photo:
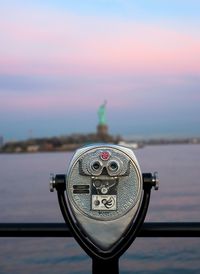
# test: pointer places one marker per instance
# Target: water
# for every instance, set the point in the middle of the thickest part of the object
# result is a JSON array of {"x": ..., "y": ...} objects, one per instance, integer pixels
[{"x": 25, "y": 197}]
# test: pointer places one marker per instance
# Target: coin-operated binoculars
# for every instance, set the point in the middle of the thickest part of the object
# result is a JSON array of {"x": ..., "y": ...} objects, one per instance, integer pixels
[{"x": 104, "y": 199}]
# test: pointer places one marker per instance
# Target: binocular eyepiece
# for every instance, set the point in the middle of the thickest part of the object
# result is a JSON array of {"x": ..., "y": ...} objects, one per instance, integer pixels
[
  {"x": 112, "y": 167},
  {"x": 104, "y": 198}
]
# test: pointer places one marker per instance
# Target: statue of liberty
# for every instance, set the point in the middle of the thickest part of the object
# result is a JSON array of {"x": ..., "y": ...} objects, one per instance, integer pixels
[{"x": 102, "y": 114}]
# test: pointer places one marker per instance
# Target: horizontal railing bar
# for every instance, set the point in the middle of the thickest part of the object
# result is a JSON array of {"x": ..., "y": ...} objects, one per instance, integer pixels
[
  {"x": 158, "y": 229},
  {"x": 34, "y": 230},
  {"x": 166, "y": 229}
]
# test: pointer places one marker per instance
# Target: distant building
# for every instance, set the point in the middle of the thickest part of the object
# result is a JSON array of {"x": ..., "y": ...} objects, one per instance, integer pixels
[{"x": 32, "y": 148}]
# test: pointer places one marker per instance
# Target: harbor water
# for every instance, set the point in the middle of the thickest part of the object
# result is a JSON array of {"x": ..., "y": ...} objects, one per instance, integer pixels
[{"x": 25, "y": 197}]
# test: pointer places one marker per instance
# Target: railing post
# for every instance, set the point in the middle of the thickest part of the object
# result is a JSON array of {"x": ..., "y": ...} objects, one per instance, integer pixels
[{"x": 100, "y": 266}]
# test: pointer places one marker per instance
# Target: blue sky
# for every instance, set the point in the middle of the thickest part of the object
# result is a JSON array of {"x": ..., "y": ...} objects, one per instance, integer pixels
[{"x": 59, "y": 60}]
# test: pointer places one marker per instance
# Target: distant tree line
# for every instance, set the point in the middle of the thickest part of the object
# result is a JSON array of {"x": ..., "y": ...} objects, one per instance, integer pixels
[{"x": 57, "y": 143}]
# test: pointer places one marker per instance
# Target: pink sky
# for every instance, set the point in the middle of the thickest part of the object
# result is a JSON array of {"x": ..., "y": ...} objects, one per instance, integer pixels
[
  {"x": 82, "y": 45},
  {"x": 55, "y": 62}
]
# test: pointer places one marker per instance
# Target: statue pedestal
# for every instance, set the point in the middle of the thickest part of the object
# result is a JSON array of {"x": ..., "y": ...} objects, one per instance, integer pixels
[{"x": 102, "y": 130}]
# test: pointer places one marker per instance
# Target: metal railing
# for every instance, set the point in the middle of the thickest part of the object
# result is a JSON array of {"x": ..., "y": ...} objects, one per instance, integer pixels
[
  {"x": 183, "y": 229},
  {"x": 150, "y": 229}
]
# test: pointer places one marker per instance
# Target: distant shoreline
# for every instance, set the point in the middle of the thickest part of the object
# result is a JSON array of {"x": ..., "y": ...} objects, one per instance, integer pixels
[{"x": 62, "y": 144}]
